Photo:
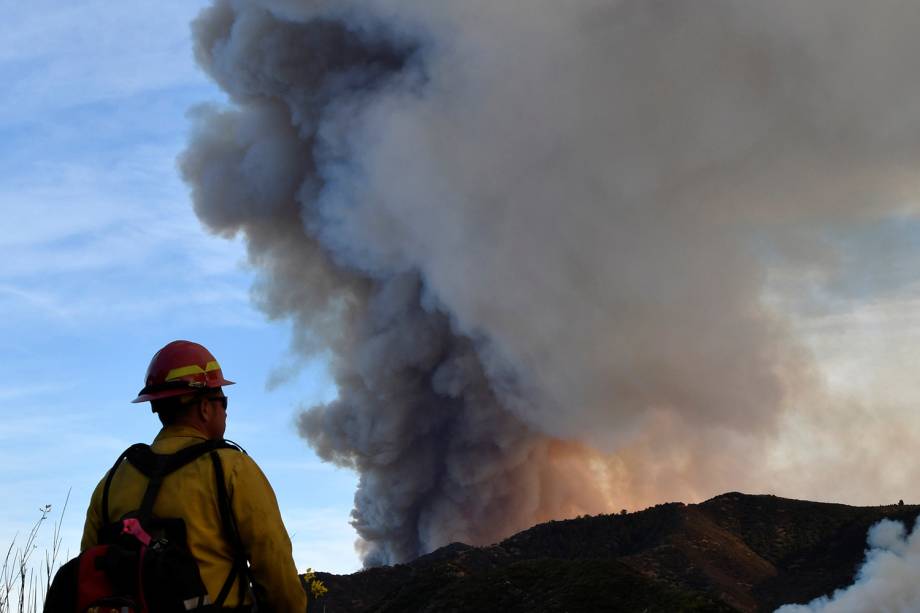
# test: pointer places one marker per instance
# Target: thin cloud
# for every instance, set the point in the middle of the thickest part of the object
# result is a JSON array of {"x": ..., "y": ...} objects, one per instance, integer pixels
[
  {"x": 15, "y": 392},
  {"x": 31, "y": 301},
  {"x": 83, "y": 230},
  {"x": 54, "y": 57}
]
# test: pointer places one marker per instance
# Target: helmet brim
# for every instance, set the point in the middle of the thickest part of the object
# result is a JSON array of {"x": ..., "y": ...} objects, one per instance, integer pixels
[{"x": 180, "y": 391}]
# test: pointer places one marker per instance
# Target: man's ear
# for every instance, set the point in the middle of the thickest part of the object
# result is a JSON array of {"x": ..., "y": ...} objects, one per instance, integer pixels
[{"x": 203, "y": 410}]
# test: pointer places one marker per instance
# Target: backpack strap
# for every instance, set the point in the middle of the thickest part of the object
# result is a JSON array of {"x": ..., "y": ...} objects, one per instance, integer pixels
[
  {"x": 108, "y": 481},
  {"x": 240, "y": 568},
  {"x": 156, "y": 466},
  {"x": 150, "y": 463}
]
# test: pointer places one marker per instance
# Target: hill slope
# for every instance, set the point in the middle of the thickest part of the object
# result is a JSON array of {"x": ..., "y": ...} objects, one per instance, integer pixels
[{"x": 735, "y": 552}]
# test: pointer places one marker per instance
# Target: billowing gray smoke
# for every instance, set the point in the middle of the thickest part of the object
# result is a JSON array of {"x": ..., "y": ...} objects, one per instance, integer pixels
[{"x": 535, "y": 235}]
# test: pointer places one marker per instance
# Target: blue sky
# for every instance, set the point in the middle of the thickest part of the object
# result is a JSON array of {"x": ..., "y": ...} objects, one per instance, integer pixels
[{"x": 103, "y": 261}]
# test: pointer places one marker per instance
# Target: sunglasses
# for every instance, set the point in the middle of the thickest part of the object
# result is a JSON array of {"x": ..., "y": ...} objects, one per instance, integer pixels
[{"x": 221, "y": 400}]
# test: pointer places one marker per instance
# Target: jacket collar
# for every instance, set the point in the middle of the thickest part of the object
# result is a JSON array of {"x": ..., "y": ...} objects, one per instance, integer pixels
[{"x": 179, "y": 432}]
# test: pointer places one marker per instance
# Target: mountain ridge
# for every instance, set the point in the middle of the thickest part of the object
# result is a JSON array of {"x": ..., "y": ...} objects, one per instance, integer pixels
[{"x": 733, "y": 552}]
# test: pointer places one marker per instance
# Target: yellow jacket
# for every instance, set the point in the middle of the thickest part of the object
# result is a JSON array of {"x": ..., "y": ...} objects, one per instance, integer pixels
[{"x": 191, "y": 494}]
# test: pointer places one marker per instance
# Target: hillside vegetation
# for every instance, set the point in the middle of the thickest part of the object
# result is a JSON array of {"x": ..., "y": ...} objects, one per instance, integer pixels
[{"x": 735, "y": 552}]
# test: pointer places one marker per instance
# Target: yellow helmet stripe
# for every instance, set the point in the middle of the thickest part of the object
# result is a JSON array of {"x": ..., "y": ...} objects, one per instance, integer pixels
[{"x": 193, "y": 369}]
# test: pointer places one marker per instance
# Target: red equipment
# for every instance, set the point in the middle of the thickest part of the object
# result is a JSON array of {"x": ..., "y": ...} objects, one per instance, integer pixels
[{"x": 181, "y": 367}]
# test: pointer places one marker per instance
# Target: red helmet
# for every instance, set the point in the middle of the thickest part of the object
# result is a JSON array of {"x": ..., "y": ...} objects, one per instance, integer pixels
[{"x": 181, "y": 367}]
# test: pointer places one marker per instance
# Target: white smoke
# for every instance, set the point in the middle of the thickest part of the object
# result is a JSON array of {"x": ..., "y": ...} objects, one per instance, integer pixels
[
  {"x": 889, "y": 580},
  {"x": 535, "y": 237}
]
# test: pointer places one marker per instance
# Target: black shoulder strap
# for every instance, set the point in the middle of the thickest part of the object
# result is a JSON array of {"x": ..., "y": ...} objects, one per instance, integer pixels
[
  {"x": 108, "y": 481},
  {"x": 155, "y": 466},
  {"x": 145, "y": 460},
  {"x": 240, "y": 568}
]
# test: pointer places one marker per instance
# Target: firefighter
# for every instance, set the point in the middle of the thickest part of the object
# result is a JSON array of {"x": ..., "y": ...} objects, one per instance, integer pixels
[{"x": 184, "y": 386}]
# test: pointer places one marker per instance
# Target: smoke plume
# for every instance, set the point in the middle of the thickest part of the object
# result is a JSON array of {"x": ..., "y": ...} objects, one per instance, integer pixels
[
  {"x": 887, "y": 581},
  {"x": 534, "y": 238}
]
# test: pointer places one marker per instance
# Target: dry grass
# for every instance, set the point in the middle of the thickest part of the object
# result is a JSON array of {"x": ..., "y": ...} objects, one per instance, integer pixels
[{"x": 24, "y": 581}]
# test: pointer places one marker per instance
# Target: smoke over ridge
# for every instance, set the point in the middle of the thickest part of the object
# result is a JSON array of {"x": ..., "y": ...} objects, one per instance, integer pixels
[
  {"x": 887, "y": 580},
  {"x": 535, "y": 239}
]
